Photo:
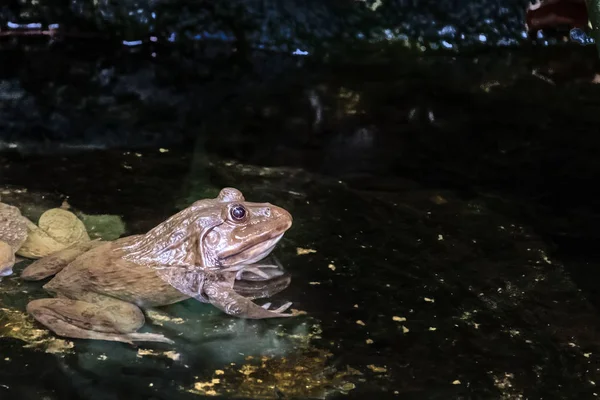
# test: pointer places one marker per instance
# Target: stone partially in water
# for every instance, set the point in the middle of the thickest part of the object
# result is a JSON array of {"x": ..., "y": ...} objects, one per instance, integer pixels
[
  {"x": 57, "y": 230},
  {"x": 63, "y": 226}
]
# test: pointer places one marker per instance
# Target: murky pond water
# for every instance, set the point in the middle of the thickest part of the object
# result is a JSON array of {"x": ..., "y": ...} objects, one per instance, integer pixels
[{"x": 416, "y": 293}]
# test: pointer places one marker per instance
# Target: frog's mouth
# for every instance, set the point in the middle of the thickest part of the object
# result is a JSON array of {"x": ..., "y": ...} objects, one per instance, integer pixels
[{"x": 252, "y": 253}]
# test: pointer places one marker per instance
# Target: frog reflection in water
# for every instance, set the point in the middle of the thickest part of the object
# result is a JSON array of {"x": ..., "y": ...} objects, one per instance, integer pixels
[{"x": 209, "y": 251}]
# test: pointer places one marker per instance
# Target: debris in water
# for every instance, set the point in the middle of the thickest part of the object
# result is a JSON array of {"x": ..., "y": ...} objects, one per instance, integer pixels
[
  {"x": 301, "y": 251},
  {"x": 379, "y": 370}
]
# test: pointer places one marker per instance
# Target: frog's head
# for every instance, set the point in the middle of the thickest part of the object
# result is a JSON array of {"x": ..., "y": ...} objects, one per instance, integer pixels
[
  {"x": 247, "y": 231},
  {"x": 213, "y": 233}
]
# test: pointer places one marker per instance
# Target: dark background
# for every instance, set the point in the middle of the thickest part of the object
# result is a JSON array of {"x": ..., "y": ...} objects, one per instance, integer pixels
[{"x": 399, "y": 101}]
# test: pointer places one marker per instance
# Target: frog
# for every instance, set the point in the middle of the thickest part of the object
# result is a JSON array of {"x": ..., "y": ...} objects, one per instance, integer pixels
[
  {"x": 212, "y": 251},
  {"x": 57, "y": 229}
]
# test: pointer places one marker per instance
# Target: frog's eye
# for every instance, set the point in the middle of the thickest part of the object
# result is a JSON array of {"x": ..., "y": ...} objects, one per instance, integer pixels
[{"x": 237, "y": 212}]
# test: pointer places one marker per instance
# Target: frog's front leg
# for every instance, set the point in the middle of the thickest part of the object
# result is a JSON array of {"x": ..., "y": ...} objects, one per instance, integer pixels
[
  {"x": 228, "y": 300},
  {"x": 94, "y": 317}
]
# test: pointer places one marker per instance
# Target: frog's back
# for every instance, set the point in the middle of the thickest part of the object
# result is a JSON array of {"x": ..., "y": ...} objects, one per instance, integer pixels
[{"x": 102, "y": 270}]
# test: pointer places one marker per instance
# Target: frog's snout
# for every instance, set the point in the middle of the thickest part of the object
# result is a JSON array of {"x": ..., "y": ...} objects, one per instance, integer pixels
[{"x": 281, "y": 214}]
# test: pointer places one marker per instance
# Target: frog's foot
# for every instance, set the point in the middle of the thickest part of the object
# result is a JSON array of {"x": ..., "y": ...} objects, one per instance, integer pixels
[
  {"x": 117, "y": 322},
  {"x": 55, "y": 262},
  {"x": 262, "y": 271},
  {"x": 232, "y": 303}
]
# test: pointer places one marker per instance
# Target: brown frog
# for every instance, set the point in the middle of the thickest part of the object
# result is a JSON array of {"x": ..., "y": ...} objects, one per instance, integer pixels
[{"x": 208, "y": 251}]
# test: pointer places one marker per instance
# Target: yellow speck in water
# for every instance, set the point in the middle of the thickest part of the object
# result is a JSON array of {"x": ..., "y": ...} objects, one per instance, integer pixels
[
  {"x": 247, "y": 369},
  {"x": 142, "y": 352},
  {"x": 160, "y": 318},
  {"x": 138, "y": 154},
  {"x": 331, "y": 267},
  {"x": 314, "y": 283},
  {"x": 302, "y": 251},
  {"x": 369, "y": 341},
  {"x": 219, "y": 372},
  {"x": 169, "y": 354},
  {"x": 437, "y": 199},
  {"x": 405, "y": 329},
  {"x": 172, "y": 355},
  {"x": 587, "y": 355},
  {"x": 356, "y": 306},
  {"x": 151, "y": 384},
  {"x": 429, "y": 300},
  {"x": 19, "y": 325},
  {"x": 456, "y": 382},
  {"x": 59, "y": 346},
  {"x": 301, "y": 376},
  {"x": 163, "y": 150},
  {"x": 359, "y": 322},
  {"x": 431, "y": 328},
  {"x": 7, "y": 359},
  {"x": 207, "y": 387},
  {"x": 379, "y": 370},
  {"x": 440, "y": 237},
  {"x": 398, "y": 319}
]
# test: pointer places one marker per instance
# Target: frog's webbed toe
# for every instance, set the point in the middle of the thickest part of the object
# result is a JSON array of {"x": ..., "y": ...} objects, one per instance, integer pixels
[
  {"x": 281, "y": 309},
  {"x": 258, "y": 271},
  {"x": 232, "y": 303},
  {"x": 256, "y": 289},
  {"x": 111, "y": 319}
]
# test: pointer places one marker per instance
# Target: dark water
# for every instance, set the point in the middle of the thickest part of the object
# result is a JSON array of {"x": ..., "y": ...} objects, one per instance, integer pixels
[
  {"x": 444, "y": 226},
  {"x": 425, "y": 292}
]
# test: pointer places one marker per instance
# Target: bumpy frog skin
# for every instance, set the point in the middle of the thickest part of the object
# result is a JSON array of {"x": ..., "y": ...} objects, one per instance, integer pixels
[{"x": 208, "y": 252}]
